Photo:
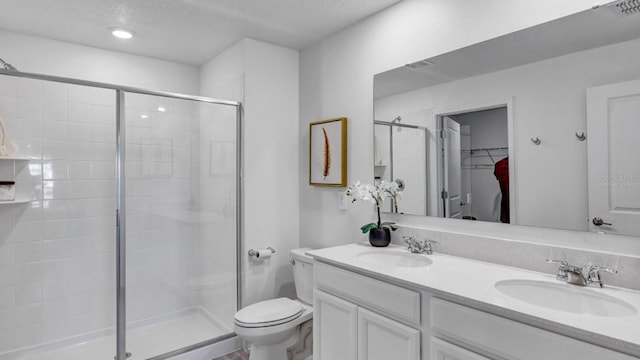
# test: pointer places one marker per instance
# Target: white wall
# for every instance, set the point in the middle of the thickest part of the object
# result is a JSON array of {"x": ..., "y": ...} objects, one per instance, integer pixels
[
  {"x": 51, "y": 57},
  {"x": 223, "y": 78},
  {"x": 336, "y": 79},
  {"x": 269, "y": 76}
]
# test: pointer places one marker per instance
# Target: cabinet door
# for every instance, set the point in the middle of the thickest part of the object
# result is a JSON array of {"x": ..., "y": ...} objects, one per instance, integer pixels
[
  {"x": 380, "y": 338},
  {"x": 442, "y": 350},
  {"x": 334, "y": 328}
]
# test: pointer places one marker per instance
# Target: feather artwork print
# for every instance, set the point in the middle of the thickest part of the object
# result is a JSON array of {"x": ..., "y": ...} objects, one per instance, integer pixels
[{"x": 326, "y": 169}]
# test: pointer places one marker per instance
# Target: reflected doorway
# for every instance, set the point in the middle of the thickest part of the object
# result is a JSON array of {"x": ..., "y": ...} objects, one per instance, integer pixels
[{"x": 474, "y": 158}]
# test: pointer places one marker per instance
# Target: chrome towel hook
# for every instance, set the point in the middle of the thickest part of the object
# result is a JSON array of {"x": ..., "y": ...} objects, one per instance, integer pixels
[
  {"x": 536, "y": 141},
  {"x": 581, "y": 137}
]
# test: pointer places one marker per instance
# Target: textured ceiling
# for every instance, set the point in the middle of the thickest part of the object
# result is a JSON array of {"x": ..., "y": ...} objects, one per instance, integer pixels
[{"x": 188, "y": 31}]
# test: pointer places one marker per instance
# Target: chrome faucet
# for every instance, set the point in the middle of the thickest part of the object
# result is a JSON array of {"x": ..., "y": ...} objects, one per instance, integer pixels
[
  {"x": 419, "y": 247},
  {"x": 582, "y": 276}
]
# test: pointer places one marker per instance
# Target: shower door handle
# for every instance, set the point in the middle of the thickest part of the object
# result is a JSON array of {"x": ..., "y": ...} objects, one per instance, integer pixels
[{"x": 599, "y": 222}]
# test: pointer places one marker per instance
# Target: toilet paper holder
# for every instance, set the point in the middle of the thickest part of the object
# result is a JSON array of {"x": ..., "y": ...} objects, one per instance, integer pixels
[{"x": 255, "y": 253}]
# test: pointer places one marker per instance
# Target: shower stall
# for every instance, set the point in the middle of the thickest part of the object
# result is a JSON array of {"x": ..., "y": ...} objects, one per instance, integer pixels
[
  {"x": 400, "y": 154},
  {"x": 122, "y": 241}
]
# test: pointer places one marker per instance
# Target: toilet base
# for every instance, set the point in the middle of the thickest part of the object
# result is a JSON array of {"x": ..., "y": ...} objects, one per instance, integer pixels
[
  {"x": 273, "y": 352},
  {"x": 257, "y": 352},
  {"x": 303, "y": 348}
]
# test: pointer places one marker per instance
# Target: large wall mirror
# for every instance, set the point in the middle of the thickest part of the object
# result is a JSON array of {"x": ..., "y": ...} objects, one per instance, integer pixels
[{"x": 539, "y": 127}]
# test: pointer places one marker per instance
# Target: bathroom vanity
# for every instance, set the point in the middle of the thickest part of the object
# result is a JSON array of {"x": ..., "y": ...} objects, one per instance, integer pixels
[{"x": 386, "y": 303}]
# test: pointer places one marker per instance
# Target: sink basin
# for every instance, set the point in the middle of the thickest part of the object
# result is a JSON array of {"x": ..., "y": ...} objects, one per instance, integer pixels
[
  {"x": 394, "y": 259},
  {"x": 565, "y": 297}
]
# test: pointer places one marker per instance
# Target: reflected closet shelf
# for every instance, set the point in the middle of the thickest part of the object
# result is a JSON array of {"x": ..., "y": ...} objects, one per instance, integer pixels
[
  {"x": 12, "y": 158},
  {"x": 14, "y": 202}
]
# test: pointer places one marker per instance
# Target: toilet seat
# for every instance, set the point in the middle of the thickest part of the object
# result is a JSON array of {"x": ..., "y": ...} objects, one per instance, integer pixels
[{"x": 268, "y": 313}]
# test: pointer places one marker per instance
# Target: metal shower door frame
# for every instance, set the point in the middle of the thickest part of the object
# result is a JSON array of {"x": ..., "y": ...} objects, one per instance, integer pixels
[{"x": 121, "y": 320}]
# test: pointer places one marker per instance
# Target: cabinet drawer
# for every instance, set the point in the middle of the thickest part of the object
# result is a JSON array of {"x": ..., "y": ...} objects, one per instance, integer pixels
[
  {"x": 442, "y": 350},
  {"x": 395, "y": 301},
  {"x": 509, "y": 339}
]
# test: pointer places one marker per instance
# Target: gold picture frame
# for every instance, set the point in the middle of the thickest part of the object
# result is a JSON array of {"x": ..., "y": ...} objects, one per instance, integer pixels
[{"x": 328, "y": 152}]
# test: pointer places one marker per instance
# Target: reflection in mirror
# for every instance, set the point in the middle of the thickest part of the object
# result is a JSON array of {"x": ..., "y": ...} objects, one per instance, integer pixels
[
  {"x": 477, "y": 181},
  {"x": 398, "y": 147},
  {"x": 459, "y": 127}
]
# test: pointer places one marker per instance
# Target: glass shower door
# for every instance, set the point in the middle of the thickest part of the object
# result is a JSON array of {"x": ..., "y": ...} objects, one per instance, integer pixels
[{"x": 181, "y": 278}]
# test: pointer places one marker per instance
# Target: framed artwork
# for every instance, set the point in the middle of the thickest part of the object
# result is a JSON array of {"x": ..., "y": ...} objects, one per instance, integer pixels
[{"x": 328, "y": 152}]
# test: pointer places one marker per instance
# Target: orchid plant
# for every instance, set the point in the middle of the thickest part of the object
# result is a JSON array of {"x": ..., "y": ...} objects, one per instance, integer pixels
[{"x": 376, "y": 194}]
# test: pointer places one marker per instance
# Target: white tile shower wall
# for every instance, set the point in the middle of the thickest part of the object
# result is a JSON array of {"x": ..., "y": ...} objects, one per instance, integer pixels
[{"x": 56, "y": 252}]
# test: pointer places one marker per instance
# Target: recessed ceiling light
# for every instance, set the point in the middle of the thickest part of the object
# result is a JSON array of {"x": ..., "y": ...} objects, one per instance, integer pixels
[
  {"x": 144, "y": 116},
  {"x": 122, "y": 33},
  {"x": 161, "y": 109}
]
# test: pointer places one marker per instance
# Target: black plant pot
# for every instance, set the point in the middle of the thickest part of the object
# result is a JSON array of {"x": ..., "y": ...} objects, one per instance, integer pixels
[{"x": 379, "y": 237}]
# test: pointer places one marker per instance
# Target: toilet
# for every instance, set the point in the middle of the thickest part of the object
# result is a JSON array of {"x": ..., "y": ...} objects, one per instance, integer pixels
[{"x": 273, "y": 326}]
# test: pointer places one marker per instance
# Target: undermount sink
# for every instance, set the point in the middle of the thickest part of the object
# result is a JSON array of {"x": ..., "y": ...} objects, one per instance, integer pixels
[
  {"x": 395, "y": 259},
  {"x": 565, "y": 297}
]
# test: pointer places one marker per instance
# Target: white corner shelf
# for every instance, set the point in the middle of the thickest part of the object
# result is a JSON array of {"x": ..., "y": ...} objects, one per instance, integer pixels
[{"x": 14, "y": 159}]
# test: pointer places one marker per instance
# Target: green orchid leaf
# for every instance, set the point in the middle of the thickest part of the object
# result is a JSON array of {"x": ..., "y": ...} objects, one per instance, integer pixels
[{"x": 366, "y": 228}]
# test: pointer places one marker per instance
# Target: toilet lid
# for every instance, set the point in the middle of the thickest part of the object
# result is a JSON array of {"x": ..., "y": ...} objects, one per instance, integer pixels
[{"x": 268, "y": 313}]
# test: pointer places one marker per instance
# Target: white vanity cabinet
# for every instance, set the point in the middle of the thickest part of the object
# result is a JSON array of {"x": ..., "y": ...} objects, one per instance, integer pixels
[
  {"x": 450, "y": 310},
  {"x": 477, "y": 333},
  {"x": 360, "y": 318}
]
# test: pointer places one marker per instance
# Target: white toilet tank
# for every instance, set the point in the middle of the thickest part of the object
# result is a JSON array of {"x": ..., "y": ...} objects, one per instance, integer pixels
[{"x": 303, "y": 274}]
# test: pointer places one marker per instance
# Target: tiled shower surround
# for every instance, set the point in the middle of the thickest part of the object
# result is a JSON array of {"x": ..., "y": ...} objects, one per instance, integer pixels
[{"x": 57, "y": 251}]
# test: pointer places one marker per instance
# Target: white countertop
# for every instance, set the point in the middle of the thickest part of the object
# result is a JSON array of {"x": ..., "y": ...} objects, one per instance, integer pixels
[{"x": 472, "y": 282}]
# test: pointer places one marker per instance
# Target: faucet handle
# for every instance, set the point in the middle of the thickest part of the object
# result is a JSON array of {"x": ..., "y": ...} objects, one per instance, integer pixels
[
  {"x": 563, "y": 270},
  {"x": 409, "y": 239},
  {"x": 593, "y": 274},
  {"x": 426, "y": 246},
  {"x": 413, "y": 245},
  {"x": 561, "y": 262},
  {"x": 597, "y": 268}
]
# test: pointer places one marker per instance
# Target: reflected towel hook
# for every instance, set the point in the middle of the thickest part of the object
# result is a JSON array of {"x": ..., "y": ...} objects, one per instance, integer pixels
[
  {"x": 536, "y": 141},
  {"x": 581, "y": 137}
]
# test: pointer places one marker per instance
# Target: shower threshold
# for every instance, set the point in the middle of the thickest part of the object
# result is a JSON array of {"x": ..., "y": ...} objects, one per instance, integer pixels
[{"x": 145, "y": 339}]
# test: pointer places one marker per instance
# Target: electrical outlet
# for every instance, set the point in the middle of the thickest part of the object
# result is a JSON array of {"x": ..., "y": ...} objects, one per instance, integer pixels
[{"x": 342, "y": 201}]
